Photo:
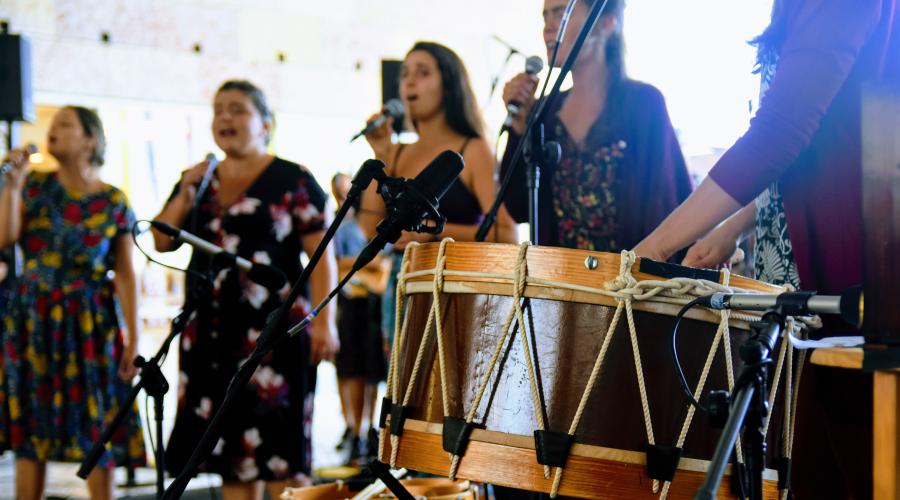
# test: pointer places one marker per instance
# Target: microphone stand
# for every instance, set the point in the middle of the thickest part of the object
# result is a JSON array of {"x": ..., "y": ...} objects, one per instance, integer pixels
[
  {"x": 748, "y": 409},
  {"x": 154, "y": 383},
  {"x": 538, "y": 116},
  {"x": 274, "y": 332}
]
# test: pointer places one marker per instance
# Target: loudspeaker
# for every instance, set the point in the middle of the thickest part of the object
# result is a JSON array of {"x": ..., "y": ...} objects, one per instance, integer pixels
[
  {"x": 16, "y": 102},
  {"x": 390, "y": 85}
]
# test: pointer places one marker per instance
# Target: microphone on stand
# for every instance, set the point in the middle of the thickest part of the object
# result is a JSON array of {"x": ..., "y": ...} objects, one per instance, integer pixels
[
  {"x": 8, "y": 166},
  {"x": 533, "y": 66},
  {"x": 392, "y": 109},
  {"x": 262, "y": 274},
  {"x": 848, "y": 305},
  {"x": 411, "y": 202}
]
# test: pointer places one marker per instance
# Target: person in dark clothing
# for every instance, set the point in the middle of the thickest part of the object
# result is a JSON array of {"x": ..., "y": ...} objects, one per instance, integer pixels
[
  {"x": 807, "y": 138},
  {"x": 622, "y": 170},
  {"x": 268, "y": 210}
]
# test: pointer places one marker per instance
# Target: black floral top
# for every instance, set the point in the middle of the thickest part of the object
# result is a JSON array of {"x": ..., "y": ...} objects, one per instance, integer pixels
[
  {"x": 610, "y": 192},
  {"x": 267, "y": 434}
]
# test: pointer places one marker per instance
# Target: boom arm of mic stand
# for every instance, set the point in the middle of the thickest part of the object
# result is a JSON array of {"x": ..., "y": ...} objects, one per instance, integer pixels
[
  {"x": 490, "y": 218},
  {"x": 273, "y": 333}
]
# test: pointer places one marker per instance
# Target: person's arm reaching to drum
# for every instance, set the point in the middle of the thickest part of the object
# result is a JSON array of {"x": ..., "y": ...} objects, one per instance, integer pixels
[
  {"x": 719, "y": 246},
  {"x": 814, "y": 63}
]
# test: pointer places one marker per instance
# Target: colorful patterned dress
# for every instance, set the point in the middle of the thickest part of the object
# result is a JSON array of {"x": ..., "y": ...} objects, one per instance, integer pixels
[
  {"x": 267, "y": 434},
  {"x": 62, "y": 339}
]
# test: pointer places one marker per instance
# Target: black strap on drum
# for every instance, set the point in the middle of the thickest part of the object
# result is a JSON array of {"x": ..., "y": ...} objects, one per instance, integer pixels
[
  {"x": 386, "y": 406},
  {"x": 783, "y": 465},
  {"x": 456, "y": 434},
  {"x": 553, "y": 448},
  {"x": 669, "y": 271},
  {"x": 399, "y": 414},
  {"x": 662, "y": 461}
]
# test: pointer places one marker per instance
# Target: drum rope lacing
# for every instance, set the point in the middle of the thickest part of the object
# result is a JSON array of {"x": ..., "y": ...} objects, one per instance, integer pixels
[{"x": 625, "y": 289}]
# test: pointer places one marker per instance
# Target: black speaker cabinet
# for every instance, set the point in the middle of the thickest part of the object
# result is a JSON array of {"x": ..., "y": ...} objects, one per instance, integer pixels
[
  {"x": 16, "y": 103},
  {"x": 390, "y": 85}
]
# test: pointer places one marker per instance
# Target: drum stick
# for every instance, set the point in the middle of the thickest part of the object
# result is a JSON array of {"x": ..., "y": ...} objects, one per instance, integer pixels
[{"x": 374, "y": 488}]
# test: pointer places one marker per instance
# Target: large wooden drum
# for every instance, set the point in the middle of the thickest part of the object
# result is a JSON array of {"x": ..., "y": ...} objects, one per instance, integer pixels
[{"x": 452, "y": 364}]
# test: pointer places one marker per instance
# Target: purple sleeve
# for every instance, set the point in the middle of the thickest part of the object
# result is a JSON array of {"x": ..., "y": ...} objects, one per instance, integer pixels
[{"x": 823, "y": 43}]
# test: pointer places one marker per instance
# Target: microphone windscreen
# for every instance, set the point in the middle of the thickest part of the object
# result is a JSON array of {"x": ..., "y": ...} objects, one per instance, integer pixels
[
  {"x": 394, "y": 108},
  {"x": 437, "y": 177},
  {"x": 534, "y": 65}
]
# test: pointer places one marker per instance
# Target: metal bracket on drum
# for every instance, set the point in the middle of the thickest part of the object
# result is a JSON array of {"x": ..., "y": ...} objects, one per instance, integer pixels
[
  {"x": 784, "y": 465},
  {"x": 386, "y": 406},
  {"x": 662, "y": 461},
  {"x": 456, "y": 433},
  {"x": 399, "y": 415},
  {"x": 553, "y": 448}
]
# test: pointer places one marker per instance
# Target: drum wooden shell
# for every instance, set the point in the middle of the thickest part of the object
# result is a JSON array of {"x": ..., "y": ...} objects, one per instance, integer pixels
[{"x": 568, "y": 329}]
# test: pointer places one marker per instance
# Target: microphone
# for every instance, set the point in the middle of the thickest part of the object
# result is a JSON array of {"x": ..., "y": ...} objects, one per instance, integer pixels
[
  {"x": 533, "y": 66},
  {"x": 392, "y": 109},
  {"x": 410, "y": 202},
  {"x": 848, "y": 305},
  {"x": 8, "y": 166},
  {"x": 213, "y": 162},
  {"x": 267, "y": 276}
]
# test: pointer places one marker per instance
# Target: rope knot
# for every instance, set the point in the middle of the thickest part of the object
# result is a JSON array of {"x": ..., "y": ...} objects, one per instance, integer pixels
[{"x": 624, "y": 280}]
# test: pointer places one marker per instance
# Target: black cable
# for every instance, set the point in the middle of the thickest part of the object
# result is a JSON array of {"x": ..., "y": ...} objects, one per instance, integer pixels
[
  {"x": 681, "y": 378},
  {"x": 149, "y": 427},
  {"x": 134, "y": 235}
]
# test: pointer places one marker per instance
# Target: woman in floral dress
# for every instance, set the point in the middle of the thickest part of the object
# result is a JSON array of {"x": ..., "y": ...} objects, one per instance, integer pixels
[
  {"x": 267, "y": 210},
  {"x": 66, "y": 365}
]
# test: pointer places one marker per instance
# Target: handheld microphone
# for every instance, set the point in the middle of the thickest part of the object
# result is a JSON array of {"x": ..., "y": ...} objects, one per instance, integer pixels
[
  {"x": 8, "y": 166},
  {"x": 213, "y": 163},
  {"x": 533, "y": 66},
  {"x": 267, "y": 276},
  {"x": 848, "y": 305},
  {"x": 392, "y": 109},
  {"x": 412, "y": 202}
]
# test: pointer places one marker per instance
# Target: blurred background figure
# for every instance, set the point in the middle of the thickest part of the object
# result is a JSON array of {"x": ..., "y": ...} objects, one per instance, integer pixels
[{"x": 360, "y": 364}]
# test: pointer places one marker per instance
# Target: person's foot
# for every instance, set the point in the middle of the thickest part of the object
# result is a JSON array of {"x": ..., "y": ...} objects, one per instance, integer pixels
[
  {"x": 372, "y": 442},
  {"x": 356, "y": 449},
  {"x": 342, "y": 444}
]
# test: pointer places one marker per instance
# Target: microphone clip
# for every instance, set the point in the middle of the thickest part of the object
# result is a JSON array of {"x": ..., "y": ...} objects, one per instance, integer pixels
[{"x": 400, "y": 194}]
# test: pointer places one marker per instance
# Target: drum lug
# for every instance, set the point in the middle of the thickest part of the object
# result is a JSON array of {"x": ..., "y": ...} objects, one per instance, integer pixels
[
  {"x": 386, "y": 406},
  {"x": 456, "y": 434},
  {"x": 783, "y": 465},
  {"x": 398, "y": 418},
  {"x": 662, "y": 461},
  {"x": 553, "y": 447}
]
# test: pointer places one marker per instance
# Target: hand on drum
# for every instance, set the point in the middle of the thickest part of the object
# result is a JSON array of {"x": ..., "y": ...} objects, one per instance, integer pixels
[{"x": 714, "y": 251}]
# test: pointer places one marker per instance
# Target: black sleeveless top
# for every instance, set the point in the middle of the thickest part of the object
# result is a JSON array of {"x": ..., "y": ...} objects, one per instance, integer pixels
[{"x": 459, "y": 205}]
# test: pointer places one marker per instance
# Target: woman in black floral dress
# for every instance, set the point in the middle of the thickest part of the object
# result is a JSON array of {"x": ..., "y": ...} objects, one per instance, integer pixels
[{"x": 267, "y": 210}]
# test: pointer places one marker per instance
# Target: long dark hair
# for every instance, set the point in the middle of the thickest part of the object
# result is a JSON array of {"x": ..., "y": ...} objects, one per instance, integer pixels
[
  {"x": 93, "y": 127},
  {"x": 615, "y": 44},
  {"x": 460, "y": 106},
  {"x": 768, "y": 44}
]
